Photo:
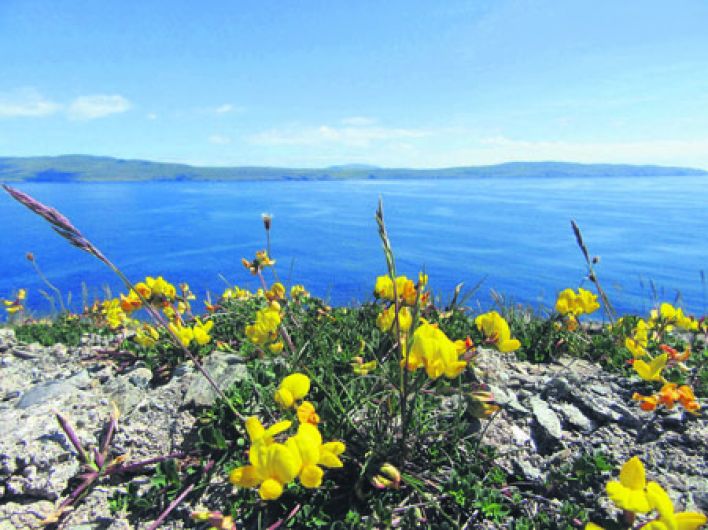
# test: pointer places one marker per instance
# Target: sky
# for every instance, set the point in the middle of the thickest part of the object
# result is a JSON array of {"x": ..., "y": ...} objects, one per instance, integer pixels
[{"x": 399, "y": 83}]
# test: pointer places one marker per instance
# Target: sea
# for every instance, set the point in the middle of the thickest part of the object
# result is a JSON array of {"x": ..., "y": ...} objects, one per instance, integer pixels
[{"x": 507, "y": 238}]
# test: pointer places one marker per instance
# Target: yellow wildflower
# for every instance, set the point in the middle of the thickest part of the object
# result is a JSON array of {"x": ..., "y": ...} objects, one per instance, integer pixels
[
  {"x": 276, "y": 292},
  {"x": 385, "y": 320},
  {"x": 298, "y": 291},
  {"x": 668, "y": 519},
  {"x": 306, "y": 413},
  {"x": 497, "y": 331},
  {"x": 160, "y": 287},
  {"x": 388, "y": 477},
  {"x": 201, "y": 331},
  {"x": 146, "y": 335},
  {"x": 313, "y": 453},
  {"x": 293, "y": 388},
  {"x": 272, "y": 466},
  {"x": 405, "y": 289},
  {"x": 629, "y": 493},
  {"x": 434, "y": 351},
  {"x": 359, "y": 367},
  {"x": 651, "y": 371},
  {"x": 184, "y": 334},
  {"x": 258, "y": 433}
]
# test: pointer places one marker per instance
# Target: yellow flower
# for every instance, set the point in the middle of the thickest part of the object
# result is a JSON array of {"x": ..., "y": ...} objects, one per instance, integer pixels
[
  {"x": 265, "y": 328},
  {"x": 565, "y": 303},
  {"x": 159, "y": 287},
  {"x": 388, "y": 477},
  {"x": 131, "y": 302},
  {"x": 482, "y": 405},
  {"x": 570, "y": 303},
  {"x": 497, "y": 331},
  {"x": 276, "y": 292},
  {"x": 184, "y": 334},
  {"x": 306, "y": 413},
  {"x": 593, "y": 526},
  {"x": 21, "y": 294},
  {"x": 293, "y": 388},
  {"x": 298, "y": 291},
  {"x": 385, "y": 320},
  {"x": 686, "y": 322},
  {"x": 258, "y": 433},
  {"x": 587, "y": 301},
  {"x": 115, "y": 317},
  {"x": 405, "y": 289},
  {"x": 651, "y": 371},
  {"x": 434, "y": 351},
  {"x": 630, "y": 492},
  {"x": 201, "y": 331},
  {"x": 635, "y": 348},
  {"x": 146, "y": 335},
  {"x": 668, "y": 519},
  {"x": 359, "y": 367},
  {"x": 272, "y": 467},
  {"x": 275, "y": 347},
  {"x": 235, "y": 293},
  {"x": 313, "y": 453}
]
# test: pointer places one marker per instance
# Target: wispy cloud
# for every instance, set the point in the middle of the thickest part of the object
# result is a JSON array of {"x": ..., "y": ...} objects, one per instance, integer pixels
[
  {"x": 97, "y": 106},
  {"x": 225, "y": 108},
  {"x": 218, "y": 139},
  {"x": 26, "y": 103},
  {"x": 358, "y": 121},
  {"x": 328, "y": 135},
  {"x": 151, "y": 116}
]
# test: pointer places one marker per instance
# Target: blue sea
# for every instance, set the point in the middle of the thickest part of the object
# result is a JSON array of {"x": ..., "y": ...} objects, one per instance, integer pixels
[{"x": 512, "y": 236}]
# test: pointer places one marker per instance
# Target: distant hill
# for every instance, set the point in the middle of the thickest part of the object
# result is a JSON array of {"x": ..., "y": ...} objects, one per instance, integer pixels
[{"x": 69, "y": 168}]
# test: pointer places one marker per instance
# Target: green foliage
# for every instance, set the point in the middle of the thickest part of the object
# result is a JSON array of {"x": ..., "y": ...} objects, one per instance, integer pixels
[{"x": 65, "y": 329}]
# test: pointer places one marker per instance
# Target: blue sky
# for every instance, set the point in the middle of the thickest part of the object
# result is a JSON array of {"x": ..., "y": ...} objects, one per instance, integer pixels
[{"x": 395, "y": 83}]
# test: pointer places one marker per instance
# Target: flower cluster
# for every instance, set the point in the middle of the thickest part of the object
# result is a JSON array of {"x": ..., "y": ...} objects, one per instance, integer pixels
[
  {"x": 633, "y": 494},
  {"x": 273, "y": 464},
  {"x": 669, "y": 395},
  {"x": 670, "y": 316},
  {"x": 571, "y": 305},
  {"x": 406, "y": 291},
  {"x": 496, "y": 331},
  {"x": 433, "y": 350},
  {"x": 258, "y": 263},
  {"x": 16, "y": 304},
  {"x": 199, "y": 332},
  {"x": 650, "y": 356},
  {"x": 264, "y": 331}
]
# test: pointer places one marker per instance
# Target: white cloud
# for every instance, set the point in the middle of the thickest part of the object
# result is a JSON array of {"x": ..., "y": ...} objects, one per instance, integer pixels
[
  {"x": 151, "y": 116},
  {"x": 97, "y": 106},
  {"x": 26, "y": 103},
  {"x": 219, "y": 139},
  {"x": 328, "y": 135},
  {"x": 358, "y": 121},
  {"x": 225, "y": 108}
]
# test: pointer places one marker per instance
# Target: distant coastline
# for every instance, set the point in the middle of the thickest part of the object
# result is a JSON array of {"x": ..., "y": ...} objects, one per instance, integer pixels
[{"x": 86, "y": 168}]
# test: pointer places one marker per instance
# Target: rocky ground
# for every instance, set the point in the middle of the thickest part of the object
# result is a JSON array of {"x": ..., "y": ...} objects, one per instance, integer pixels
[{"x": 551, "y": 415}]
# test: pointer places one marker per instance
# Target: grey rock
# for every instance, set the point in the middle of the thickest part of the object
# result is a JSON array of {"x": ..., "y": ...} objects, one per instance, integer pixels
[
  {"x": 124, "y": 393},
  {"x": 225, "y": 368},
  {"x": 575, "y": 417},
  {"x": 141, "y": 377},
  {"x": 546, "y": 418},
  {"x": 45, "y": 392}
]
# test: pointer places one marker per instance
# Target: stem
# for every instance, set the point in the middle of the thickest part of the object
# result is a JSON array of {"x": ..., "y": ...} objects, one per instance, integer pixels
[
  {"x": 49, "y": 284},
  {"x": 171, "y": 507}
]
